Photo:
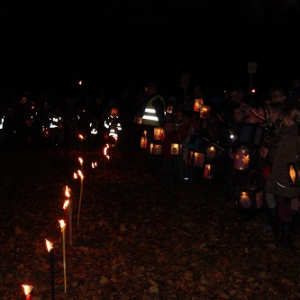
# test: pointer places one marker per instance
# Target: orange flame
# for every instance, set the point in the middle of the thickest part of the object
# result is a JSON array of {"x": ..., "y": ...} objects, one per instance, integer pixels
[
  {"x": 49, "y": 245},
  {"x": 75, "y": 175},
  {"x": 68, "y": 190},
  {"x": 62, "y": 224},
  {"x": 80, "y": 136},
  {"x": 27, "y": 289},
  {"x": 80, "y": 160},
  {"x": 80, "y": 174},
  {"x": 66, "y": 204}
]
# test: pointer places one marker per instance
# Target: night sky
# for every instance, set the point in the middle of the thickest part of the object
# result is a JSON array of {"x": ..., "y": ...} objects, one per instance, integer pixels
[{"x": 130, "y": 41}]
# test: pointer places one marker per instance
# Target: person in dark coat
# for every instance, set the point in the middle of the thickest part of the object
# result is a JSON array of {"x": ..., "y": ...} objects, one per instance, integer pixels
[{"x": 288, "y": 150}]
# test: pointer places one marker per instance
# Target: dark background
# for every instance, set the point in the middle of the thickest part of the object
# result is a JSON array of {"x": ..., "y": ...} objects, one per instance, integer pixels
[{"x": 108, "y": 44}]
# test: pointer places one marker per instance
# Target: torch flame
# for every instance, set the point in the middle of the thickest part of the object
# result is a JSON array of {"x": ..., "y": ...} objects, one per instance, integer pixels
[
  {"x": 49, "y": 245},
  {"x": 80, "y": 174},
  {"x": 27, "y": 289},
  {"x": 62, "y": 224},
  {"x": 105, "y": 150},
  {"x": 75, "y": 175},
  {"x": 80, "y": 160},
  {"x": 67, "y": 191},
  {"x": 80, "y": 136},
  {"x": 66, "y": 204}
]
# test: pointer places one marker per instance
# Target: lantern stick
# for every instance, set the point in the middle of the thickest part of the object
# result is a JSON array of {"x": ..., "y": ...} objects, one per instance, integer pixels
[
  {"x": 214, "y": 144},
  {"x": 63, "y": 231},
  {"x": 51, "y": 260}
]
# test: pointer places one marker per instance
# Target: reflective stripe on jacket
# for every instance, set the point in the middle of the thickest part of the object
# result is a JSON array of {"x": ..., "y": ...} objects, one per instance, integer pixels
[{"x": 150, "y": 116}]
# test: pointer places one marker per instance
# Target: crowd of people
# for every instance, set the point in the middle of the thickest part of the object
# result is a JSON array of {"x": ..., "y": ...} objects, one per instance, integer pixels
[{"x": 212, "y": 137}]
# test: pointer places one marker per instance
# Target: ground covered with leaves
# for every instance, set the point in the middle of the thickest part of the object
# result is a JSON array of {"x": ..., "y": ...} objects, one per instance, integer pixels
[{"x": 136, "y": 239}]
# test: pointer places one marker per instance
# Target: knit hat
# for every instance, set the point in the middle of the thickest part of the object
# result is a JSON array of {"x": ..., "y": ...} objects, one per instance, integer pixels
[{"x": 258, "y": 114}]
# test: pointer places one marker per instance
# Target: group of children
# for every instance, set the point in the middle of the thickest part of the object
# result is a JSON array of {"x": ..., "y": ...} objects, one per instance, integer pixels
[{"x": 271, "y": 151}]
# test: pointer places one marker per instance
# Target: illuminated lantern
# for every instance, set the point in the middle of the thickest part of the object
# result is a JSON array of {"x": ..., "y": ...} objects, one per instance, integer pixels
[
  {"x": 204, "y": 111},
  {"x": 143, "y": 142},
  {"x": 242, "y": 159},
  {"x": 250, "y": 199},
  {"x": 198, "y": 103},
  {"x": 207, "y": 172},
  {"x": 294, "y": 174},
  {"x": 170, "y": 109},
  {"x": 211, "y": 152},
  {"x": 151, "y": 148},
  {"x": 159, "y": 133},
  {"x": 176, "y": 149},
  {"x": 114, "y": 112},
  {"x": 157, "y": 149},
  {"x": 196, "y": 159}
]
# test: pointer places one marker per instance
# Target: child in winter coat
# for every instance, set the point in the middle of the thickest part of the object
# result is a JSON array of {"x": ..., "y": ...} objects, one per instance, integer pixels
[
  {"x": 288, "y": 150},
  {"x": 169, "y": 159}
]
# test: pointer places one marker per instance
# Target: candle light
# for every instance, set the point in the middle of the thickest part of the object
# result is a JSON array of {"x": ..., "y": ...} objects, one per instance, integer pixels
[
  {"x": 69, "y": 205},
  {"x": 51, "y": 260},
  {"x": 63, "y": 227},
  {"x": 27, "y": 291}
]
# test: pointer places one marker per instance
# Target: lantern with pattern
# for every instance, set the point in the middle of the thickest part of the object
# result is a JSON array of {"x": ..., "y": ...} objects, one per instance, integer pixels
[{"x": 250, "y": 199}]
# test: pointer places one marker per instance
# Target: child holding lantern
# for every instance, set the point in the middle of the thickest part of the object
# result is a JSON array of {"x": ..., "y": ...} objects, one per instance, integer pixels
[
  {"x": 288, "y": 150},
  {"x": 170, "y": 160}
]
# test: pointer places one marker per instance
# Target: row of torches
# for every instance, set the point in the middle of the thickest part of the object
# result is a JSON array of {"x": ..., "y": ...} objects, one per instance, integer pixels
[{"x": 67, "y": 224}]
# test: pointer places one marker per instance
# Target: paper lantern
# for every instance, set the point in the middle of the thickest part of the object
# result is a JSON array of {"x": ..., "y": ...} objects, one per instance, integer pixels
[
  {"x": 143, "y": 141},
  {"x": 198, "y": 103},
  {"x": 151, "y": 148},
  {"x": 207, "y": 172},
  {"x": 250, "y": 199},
  {"x": 114, "y": 112},
  {"x": 196, "y": 159},
  {"x": 176, "y": 149},
  {"x": 159, "y": 133},
  {"x": 170, "y": 109},
  {"x": 211, "y": 152},
  {"x": 157, "y": 149},
  {"x": 204, "y": 111},
  {"x": 242, "y": 159},
  {"x": 294, "y": 174}
]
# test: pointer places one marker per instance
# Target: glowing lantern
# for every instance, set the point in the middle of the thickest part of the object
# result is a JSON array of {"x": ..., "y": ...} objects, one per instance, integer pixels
[
  {"x": 211, "y": 152},
  {"x": 159, "y": 133},
  {"x": 157, "y": 149},
  {"x": 242, "y": 159},
  {"x": 114, "y": 112},
  {"x": 196, "y": 159},
  {"x": 250, "y": 199},
  {"x": 198, "y": 103},
  {"x": 170, "y": 109},
  {"x": 175, "y": 149},
  {"x": 143, "y": 142},
  {"x": 294, "y": 173},
  {"x": 204, "y": 111},
  {"x": 151, "y": 148},
  {"x": 207, "y": 172}
]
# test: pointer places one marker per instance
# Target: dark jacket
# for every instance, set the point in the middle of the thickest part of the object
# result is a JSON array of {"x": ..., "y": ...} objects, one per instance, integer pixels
[{"x": 287, "y": 150}]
